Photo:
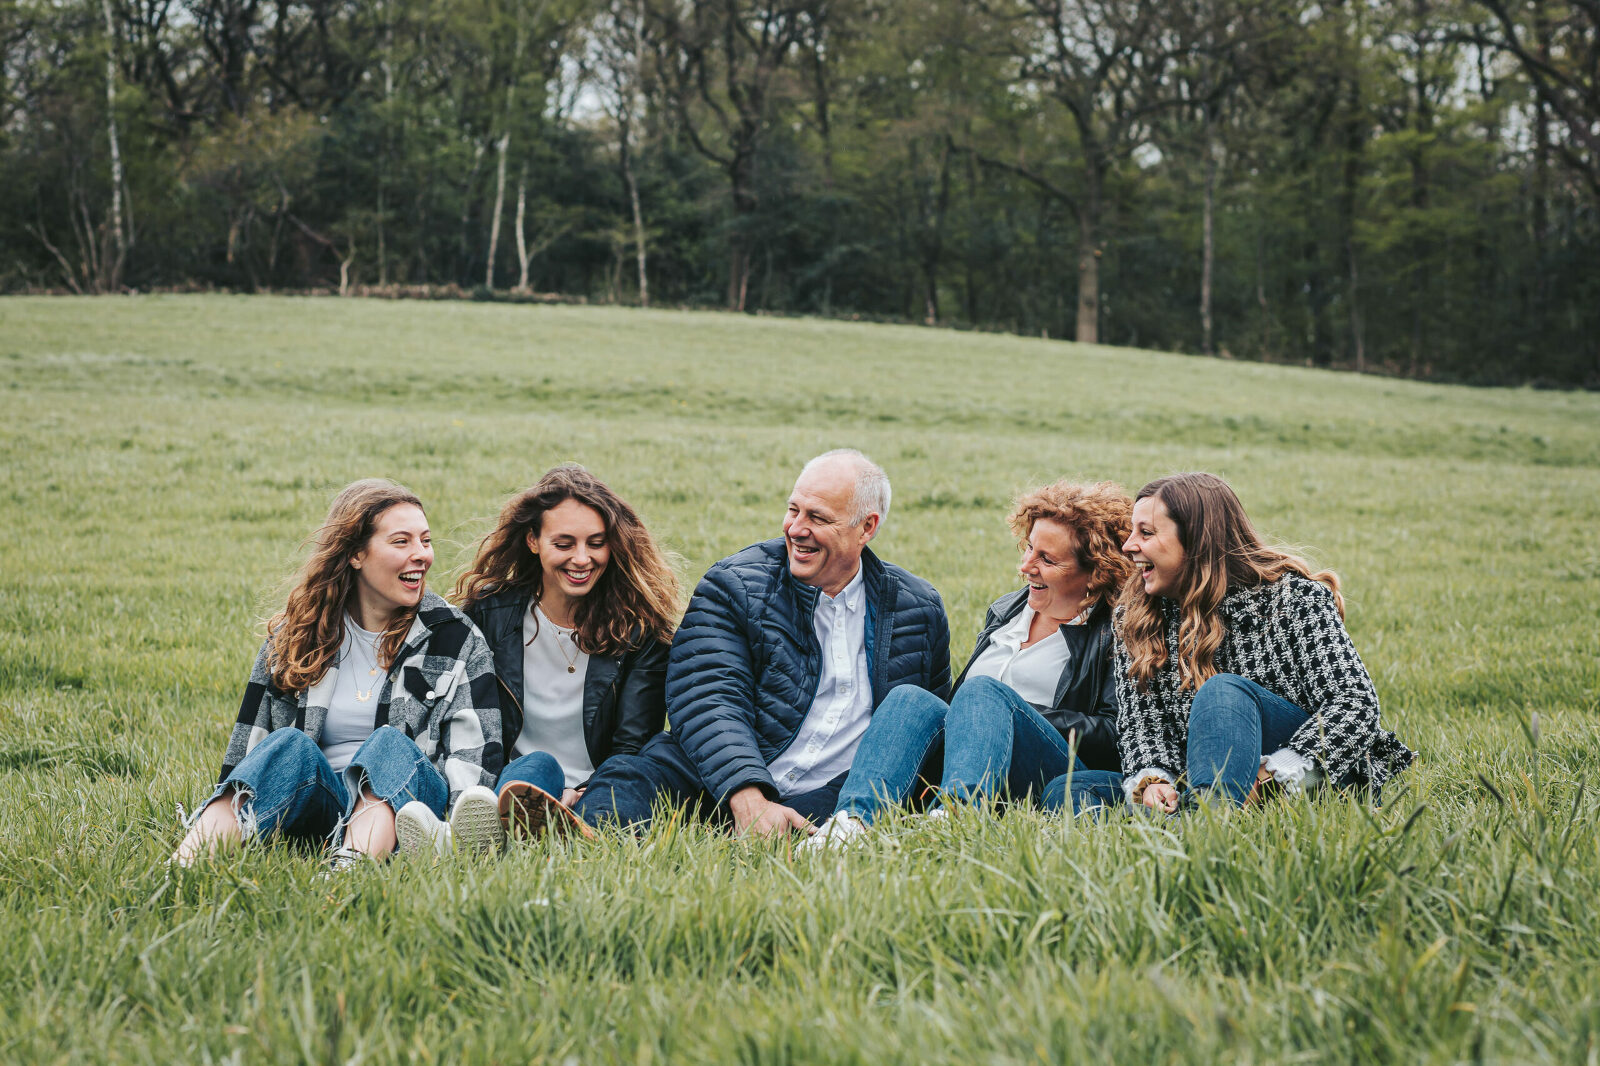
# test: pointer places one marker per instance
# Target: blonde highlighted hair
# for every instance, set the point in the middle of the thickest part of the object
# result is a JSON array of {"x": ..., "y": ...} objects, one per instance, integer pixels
[
  {"x": 1221, "y": 552},
  {"x": 307, "y": 634}
]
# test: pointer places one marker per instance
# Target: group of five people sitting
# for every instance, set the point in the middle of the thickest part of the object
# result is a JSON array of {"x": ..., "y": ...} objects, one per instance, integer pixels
[{"x": 1160, "y": 654}]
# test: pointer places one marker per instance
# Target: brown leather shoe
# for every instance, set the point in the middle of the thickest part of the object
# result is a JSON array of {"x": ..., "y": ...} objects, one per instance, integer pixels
[{"x": 528, "y": 810}]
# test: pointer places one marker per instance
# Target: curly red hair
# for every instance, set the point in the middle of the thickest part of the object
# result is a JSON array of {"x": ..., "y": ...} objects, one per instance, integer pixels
[{"x": 1100, "y": 515}]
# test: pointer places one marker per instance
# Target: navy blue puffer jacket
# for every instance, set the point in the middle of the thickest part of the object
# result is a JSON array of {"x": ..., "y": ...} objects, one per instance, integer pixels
[{"x": 745, "y": 664}]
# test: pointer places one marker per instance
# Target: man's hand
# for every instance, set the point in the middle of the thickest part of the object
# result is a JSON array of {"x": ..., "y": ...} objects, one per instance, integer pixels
[
  {"x": 570, "y": 796},
  {"x": 1159, "y": 794},
  {"x": 754, "y": 813}
]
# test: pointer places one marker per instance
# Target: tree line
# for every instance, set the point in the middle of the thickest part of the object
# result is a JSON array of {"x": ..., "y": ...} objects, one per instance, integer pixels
[{"x": 1399, "y": 185}]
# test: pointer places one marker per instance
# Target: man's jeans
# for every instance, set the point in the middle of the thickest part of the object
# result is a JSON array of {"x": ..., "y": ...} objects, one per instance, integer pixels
[
  {"x": 1232, "y": 723},
  {"x": 995, "y": 744},
  {"x": 537, "y": 768},
  {"x": 286, "y": 788},
  {"x": 625, "y": 790}
]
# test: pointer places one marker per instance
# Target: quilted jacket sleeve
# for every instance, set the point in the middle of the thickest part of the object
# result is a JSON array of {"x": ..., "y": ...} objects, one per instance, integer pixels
[
  {"x": 255, "y": 714},
  {"x": 939, "y": 632},
  {"x": 1338, "y": 692},
  {"x": 711, "y": 688}
]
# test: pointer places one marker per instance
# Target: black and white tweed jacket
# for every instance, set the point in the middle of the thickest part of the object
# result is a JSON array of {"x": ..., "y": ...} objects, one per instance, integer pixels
[
  {"x": 440, "y": 691},
  {"x": 1285, "y": 636}
]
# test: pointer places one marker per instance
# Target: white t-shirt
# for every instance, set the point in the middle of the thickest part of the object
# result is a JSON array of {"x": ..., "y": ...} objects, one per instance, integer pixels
[
  {"x": 357, "y": 688},
  {"x": 827, "y": 740},
  {"x": 553, "y": 670},
  {"x": 1034, "y": 671}
]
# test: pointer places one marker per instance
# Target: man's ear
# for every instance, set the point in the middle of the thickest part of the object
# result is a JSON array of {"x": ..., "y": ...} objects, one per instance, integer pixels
[{"x": 869, "y": 527}]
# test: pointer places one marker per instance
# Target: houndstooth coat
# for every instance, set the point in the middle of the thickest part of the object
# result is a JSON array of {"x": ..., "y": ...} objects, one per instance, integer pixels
[
  {"x": 440, "y": 691},
  {"x": 1285, "y": 636}
]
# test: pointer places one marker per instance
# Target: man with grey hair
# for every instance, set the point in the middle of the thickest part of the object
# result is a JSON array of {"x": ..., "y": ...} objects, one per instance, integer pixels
[{"x": 786, "y": 649}]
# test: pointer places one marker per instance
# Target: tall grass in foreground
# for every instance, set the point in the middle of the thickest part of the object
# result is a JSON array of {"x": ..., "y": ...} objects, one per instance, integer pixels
[{"x": 160, "y": 459}]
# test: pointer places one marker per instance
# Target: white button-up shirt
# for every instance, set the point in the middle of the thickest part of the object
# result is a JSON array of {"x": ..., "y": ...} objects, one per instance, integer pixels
[
  {"x": 1034, "y": 671},
  {"x": 827, "y": 741}
]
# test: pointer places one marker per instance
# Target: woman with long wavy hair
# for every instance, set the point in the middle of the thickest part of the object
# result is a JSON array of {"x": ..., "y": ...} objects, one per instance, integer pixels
[
  {"x": 579, "y": 606},
  {"x": 1236, "y": 678},
  {"x": 370, "y": 695}
]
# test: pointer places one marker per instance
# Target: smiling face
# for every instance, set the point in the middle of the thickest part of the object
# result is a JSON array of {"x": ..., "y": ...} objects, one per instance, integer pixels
[
  {"x": 824, "y": 548},
  {"x": 1155, "y": 548},
  {"x": 573, "y": 550},
  {"x": 391, "y": 568},
  {"x": 1056, "y": 583}
]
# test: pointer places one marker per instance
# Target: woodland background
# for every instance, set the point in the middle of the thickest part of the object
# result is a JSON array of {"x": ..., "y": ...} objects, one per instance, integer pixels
[{"x": 1405, "y": 187}]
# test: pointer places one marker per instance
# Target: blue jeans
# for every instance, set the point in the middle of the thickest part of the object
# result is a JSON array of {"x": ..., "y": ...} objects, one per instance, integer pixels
[
  {"x": 625, "y": 789},
  {"x": 285, "y": 788},
  {"x": 995, "y": 743},
  {"x": 537, "y": 768},
  {"x": 1232, "y": 723}
]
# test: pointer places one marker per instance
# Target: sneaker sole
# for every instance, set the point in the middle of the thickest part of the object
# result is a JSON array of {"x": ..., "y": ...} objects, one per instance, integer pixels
[
  {"x": 475, "y": 825},
  {"x": 411, "y": 835},
  {"x": 527, "y": 811}
]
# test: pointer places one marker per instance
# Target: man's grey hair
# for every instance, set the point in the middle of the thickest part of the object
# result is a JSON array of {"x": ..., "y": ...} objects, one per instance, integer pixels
[{"x": 871, "y": 495}]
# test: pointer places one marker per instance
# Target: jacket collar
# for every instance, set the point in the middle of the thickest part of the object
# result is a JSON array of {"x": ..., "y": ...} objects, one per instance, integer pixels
[{"x": 873, "y": 576}]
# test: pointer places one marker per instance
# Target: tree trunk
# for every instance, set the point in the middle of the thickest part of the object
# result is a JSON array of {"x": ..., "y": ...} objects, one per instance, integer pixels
[
  {"x": 499, "y": 207},
  {"x": 638, "y": 218},
  {"x": 523, "y": 257},
  {"x": 1207, "y": 244},
  {"x": 112, "y": 278}
]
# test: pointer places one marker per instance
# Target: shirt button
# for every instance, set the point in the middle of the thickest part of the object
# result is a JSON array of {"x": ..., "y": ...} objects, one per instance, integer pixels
[{"x": 429, "y": 696}]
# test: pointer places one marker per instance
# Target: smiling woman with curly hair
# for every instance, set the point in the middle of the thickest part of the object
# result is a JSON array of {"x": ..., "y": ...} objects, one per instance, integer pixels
[{"x": 1037, "y": 697}]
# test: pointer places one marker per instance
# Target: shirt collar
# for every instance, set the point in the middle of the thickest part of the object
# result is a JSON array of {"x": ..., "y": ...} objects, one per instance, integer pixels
[
  {"x": 850, "y": 595},
  {"x": 1014, "y": 632}
]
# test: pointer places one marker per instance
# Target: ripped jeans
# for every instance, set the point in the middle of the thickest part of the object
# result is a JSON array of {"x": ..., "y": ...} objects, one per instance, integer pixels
[{"x": 285, "y": 788}]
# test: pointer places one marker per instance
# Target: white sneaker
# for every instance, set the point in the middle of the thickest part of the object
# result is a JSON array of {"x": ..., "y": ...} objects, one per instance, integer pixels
[
  {"x": 341, "y": 861},
  {"x": 841, "y": 830},
  {"x": 418, "y": 831},
  {"x": 475, "y": 821}
]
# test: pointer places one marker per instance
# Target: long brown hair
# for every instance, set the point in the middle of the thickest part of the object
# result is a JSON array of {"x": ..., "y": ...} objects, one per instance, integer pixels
[
  {"x": 1099, "y": 517},
  {"x": 307, "y": 634},
  {"x": 1221, "y": 552},
  {"x": 637, "y": 591}
]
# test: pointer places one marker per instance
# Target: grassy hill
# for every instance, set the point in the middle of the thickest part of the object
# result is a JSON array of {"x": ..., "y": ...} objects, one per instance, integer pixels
[{"x": 161, "y": 459}]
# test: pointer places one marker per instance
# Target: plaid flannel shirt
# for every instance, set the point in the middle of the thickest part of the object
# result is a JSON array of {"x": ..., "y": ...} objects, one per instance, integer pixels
[
  {"x": 440, "y": 691},
  {"x": 1287, "y": 637}
]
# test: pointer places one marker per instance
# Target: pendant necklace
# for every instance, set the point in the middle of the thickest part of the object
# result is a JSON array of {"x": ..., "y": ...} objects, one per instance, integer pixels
[
  {"x": 372, "y": 673},
  {"x": 572, "y": 660}
]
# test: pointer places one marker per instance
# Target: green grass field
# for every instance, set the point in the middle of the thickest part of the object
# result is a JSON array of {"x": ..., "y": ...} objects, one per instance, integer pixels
[{"x": 163, "y": 458}]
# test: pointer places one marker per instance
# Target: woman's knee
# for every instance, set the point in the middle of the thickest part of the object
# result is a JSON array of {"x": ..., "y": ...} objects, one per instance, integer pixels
[
  {"x": 535, "y": 768},
  {"x": 985, "y": 696},
  {"x": 1224, "y": 695},
  {"x": 280, "y": 751},
  {"x": 387, "y": 742}
]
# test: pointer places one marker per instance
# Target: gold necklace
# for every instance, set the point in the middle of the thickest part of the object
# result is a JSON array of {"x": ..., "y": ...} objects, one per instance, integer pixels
[
  {"x": 363, "y": 697},
  {"x": 572, "y": 660}
]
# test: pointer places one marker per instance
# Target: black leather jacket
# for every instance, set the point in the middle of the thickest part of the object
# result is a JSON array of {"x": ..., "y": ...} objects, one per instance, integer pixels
[
  {"x": 1086, "y": 695},
  {"x": 624, "y": 702}
]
